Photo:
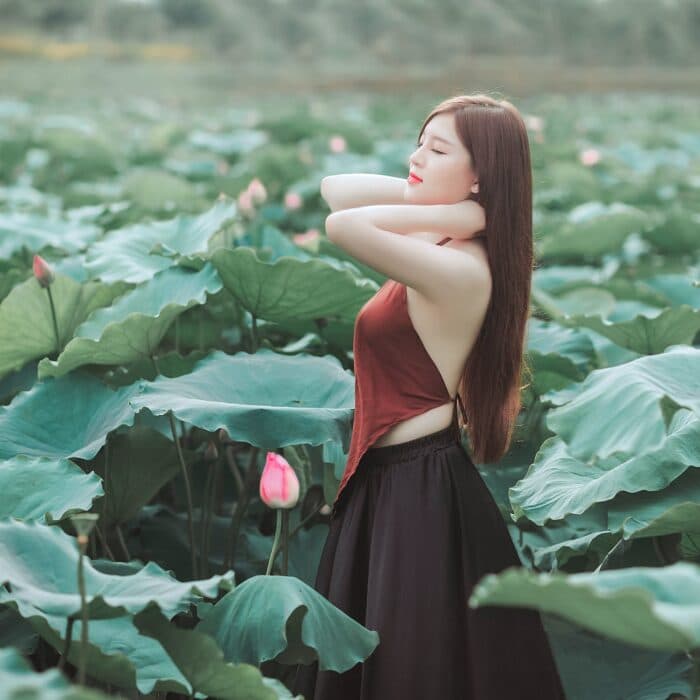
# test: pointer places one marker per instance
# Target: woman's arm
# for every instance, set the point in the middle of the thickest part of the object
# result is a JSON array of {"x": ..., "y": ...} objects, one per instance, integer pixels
[
  {"x": 361, "y": 189},
  {"x": 462, "y": 220}
]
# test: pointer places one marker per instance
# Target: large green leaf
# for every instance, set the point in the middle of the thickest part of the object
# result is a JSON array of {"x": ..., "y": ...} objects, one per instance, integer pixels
[
  {"x": 40, "y": 562},
  {"x": 560, "y": 278},
  {"x": 645, "y": 334},
  {"x": 137, "y": 252},
  {"x": 19, "y": 681},
  {"x": 654, "y": 608},
  {"x": 678, "y": 289},
  {"x": 626, "y": 409},
  {"x": 155, "y": 191},
  {"x": 37, "y": 422},
  {"x": 558, "y": 483},
  {"x": 47, "y": 490},
  {"x": 677, "y": 234},
  {"x": 596, "y": 235},
  {"x": 264, "y": 399},
  {"x": 595, "y": 668},
  {"x": 132, "y": 327},
  {"x": 233, "y": 143},
  {"x": 139, "y": 462},
  {"x": 283, "y": 618},
  {"x": 34, "y": 232},
  {"x": 10, "y": 277},
  {"x": 290, "y": 288},
  {"x": 26, "y": 325},
  {"x": 117, "y": 652},
  {"x": 202, "y": 662},
  {"x": 557, "y": 355},
  {"x": 674, "y": 510},
  {"x": 585, "y": 300},
  {"x": 608, "y": 354}
]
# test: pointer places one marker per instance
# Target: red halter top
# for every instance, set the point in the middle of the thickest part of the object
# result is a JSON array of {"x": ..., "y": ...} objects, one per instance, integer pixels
[{"x": 395, "y": 377}]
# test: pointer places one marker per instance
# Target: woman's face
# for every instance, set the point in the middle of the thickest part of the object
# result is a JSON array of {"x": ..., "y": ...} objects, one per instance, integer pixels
[{"x": 443, "y": 163}]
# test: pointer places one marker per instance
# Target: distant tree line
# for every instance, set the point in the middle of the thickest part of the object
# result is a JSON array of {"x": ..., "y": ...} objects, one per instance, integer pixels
[{"x": 589, "y": 32}]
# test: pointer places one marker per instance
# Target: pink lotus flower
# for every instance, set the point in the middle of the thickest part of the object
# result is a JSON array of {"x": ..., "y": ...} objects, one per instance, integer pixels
[
  {"x": 292, "y": 201},
  {"x": 257, "y": 191},
  {"x": 279, "y": 485},
  {"x": 307, "y": 237},
  {"x": 245, "y": 203},
  {"x": 590, "y": 156},
  {"x": 42, "y": 271},
  {"x": 337, "y": 144}
]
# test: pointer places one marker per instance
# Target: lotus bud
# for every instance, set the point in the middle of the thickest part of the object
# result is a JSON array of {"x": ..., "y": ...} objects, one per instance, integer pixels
[
  {"x": 337, "y": 144},
  {"x": 590, "y": 156},
  {"x": 42, "y": 271},
  {"x": 292, "y": 201},
  {"x": 309, "y": 236},
  {"x": 279, "y": 485},
  {"x": 257, "y": 191},
  {"x": 245, "y": 203}
]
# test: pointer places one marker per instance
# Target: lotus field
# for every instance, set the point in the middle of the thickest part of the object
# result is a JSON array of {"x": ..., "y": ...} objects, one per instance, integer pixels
[{"x": 177, "y": 395}]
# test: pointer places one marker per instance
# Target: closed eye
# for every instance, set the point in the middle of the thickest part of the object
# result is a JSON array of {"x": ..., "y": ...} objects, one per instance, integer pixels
[{"x": 432, "y": 149}]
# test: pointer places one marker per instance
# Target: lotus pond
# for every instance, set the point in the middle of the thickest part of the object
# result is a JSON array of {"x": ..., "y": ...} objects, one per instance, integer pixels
[{"x": 171, "y": 313}]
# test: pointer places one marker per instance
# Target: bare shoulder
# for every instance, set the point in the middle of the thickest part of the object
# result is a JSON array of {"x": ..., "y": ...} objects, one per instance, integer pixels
[
  {"x": 477, "y": 272},
  {"x": 477, "y": 269}
]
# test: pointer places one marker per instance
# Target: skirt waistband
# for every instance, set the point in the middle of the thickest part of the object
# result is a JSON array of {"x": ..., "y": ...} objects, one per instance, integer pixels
[{"x": 389, "y": 454}]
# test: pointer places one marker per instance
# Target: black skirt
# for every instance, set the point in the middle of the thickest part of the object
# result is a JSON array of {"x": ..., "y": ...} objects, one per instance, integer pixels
[{"x": 415, "y": 531}]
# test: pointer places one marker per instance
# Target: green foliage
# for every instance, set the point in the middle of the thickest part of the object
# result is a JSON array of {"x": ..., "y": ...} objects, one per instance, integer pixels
[{"x": 186, "y": 335}]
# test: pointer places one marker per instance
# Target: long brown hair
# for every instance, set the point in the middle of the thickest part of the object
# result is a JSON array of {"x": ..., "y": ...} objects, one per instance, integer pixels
[{"x": 495, "y": 135}]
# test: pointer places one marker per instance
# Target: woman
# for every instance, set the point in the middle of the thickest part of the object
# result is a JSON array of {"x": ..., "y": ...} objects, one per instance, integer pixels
[{"x": 414, "y": 527}]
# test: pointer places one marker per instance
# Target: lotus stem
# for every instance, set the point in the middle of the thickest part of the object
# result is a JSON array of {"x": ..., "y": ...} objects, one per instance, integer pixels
[
  {"x": 275, "y": 542},
  {"x": 213, "y": 509},
  {"x": 239, "y": 509},
  {"x": 620, "y": 544},
  {"x": 207, "y": 507},
  {"x": 122, "y": 543},
  {"x": 66, "y": 644},
  {"x": 105, "y": 545},
  {"x": 254, "y": 334},
  {"x": 82, "y": 544},
  {"x": 284, "y": 545},
  {"x": 285, "y": 541},
  {"x": 185, "y": 476},
  {"x": 55, "y": 324}
]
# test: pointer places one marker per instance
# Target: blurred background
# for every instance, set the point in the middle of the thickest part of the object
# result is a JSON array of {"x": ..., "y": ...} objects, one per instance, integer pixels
[
  {"x": 128, "y": 130},
  {"x": 207, "y": 49}
]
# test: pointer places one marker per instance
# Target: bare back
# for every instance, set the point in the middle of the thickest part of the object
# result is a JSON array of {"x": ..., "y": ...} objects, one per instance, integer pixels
[{"x": 448, "y": 331}]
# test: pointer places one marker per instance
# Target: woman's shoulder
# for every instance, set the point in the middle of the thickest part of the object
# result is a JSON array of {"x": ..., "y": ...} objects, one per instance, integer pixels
[{"x": 475, "y": 248}]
